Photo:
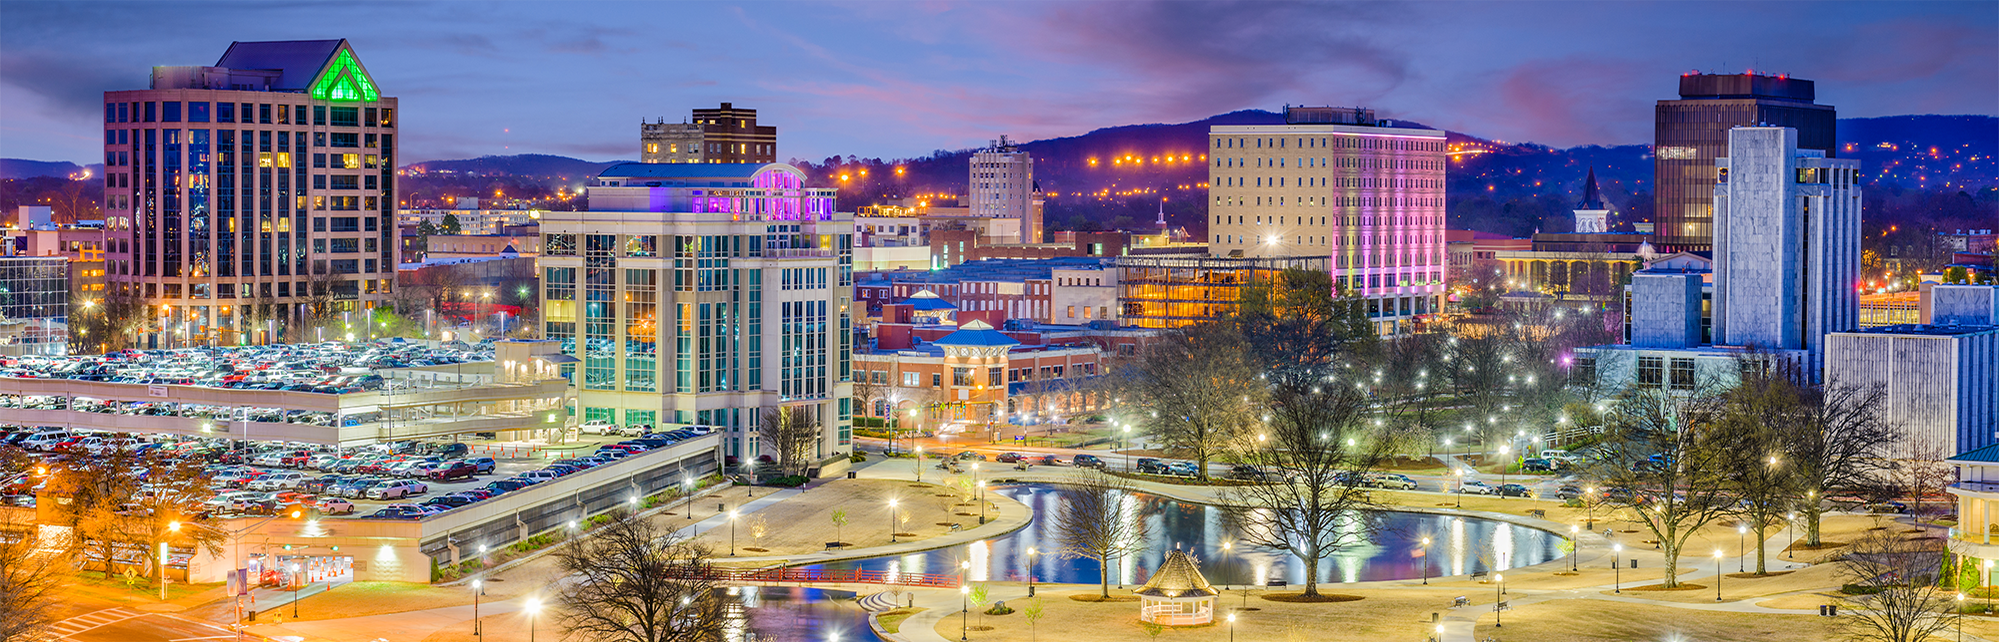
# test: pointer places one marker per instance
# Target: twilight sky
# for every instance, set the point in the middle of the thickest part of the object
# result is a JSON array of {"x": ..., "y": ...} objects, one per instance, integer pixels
[{"x": 899, "y": 79}]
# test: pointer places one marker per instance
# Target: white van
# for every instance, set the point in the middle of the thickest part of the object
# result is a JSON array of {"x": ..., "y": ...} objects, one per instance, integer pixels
[{"x": 46, "y": 440}]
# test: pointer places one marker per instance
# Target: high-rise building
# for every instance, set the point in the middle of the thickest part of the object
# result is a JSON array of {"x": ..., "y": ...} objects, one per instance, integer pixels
[
  {"x": 1335, "y": 182},
  {"x": 1786, "y": 243},
  {"x": 1001, "y": 186},
  {"x": 247, "y": 201},
  {"x": 1693, "y": 131},
  {"x": 1786, "y": 260},
  {"x": 728, "y": 134},
  {"x": 704, "y": 295}
]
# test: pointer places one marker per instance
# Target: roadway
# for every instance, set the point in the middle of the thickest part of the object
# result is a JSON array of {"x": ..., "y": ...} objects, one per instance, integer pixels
[{"x": 128, "y": 624}]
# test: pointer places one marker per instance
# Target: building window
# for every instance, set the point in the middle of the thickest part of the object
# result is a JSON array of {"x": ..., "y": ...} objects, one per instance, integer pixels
[
  {"x": 1651, "y": 372},
  {"x": 909, "y": 380},
  {"x": 1683, "y": 374}
]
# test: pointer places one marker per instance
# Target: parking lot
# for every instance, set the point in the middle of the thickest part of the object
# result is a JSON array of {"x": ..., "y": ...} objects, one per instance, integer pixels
[{"x": 399, "y": 480}]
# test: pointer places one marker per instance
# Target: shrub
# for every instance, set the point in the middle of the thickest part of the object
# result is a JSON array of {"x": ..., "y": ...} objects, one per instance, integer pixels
[
  {"x": 1857, "y": 589},
  {"x": 1000, "y": 609},
  {"x": 857, "y": 457},
  {"x": 787, "y": 481}
]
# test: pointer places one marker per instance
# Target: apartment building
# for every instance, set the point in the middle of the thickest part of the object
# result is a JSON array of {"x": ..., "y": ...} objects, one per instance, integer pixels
[{"x": 727, "y": 134}]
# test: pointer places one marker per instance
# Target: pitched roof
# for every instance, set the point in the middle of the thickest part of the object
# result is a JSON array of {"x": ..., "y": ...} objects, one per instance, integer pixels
[
  {"x": 1986, "y": 455},
  {"x": 1179, "y": 576},
  {"x": 926, "y": 301},
  {"x": 300, "y": 60},
  {"x": 976, "y": 333},
  {"x": 1591, "y": 200}
]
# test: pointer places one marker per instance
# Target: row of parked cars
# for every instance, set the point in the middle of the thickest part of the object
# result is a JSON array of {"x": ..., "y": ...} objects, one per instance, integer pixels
[
  {"x": 327, "y": 368},
  {"x": 557, "y": 469}
]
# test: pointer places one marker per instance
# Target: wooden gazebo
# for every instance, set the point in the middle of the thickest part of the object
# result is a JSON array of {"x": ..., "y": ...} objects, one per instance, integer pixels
[{"x": 1177, "y": 594}]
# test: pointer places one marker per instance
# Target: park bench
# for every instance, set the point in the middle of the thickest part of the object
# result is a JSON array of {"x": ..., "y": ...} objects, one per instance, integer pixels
[
  {"x": 1478, "y": 576},
  {"x": 1502, "y": 606},
  {"x": 1460, "y": 602},
  {"x": 1543, "y": 514}
]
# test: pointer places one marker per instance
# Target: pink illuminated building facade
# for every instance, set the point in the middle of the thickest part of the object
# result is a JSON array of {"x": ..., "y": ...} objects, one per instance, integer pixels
[
  {"x": 704, "y": 294},
  {"x": 1335, "y": 182}
]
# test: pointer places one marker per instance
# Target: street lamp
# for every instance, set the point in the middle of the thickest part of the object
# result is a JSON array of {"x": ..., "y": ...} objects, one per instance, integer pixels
[
  {"x": 1426, "y": 560},
  {"x": 732, "y": 533},
  {"x": 1030, "y": 570},
  {"x": 1232, "y": 624},
  {"x": 1717, "y": 575},
  {"x": 1589, "y": 507},
  {"x": 532, "y": 607},
  {"x": 1741, "y": 565},
  {"x": 1499, "y": 589},
  {"x": 478, "y": 588},
  {"x": 1791, "y": 522},
  {"x": 1127, "y": 447},
  {"x": 1461, "y": 487},
  {"x": 891, "y": 521},
  {"x": 294, "y": 582},
  {"x": 964, "y": 600},
  {"x": 982, "y": 496},
  {"x": 919, "y": 462},
  {"x": 1503, "y": 448},
  {"x": 1616, "y": 574}
]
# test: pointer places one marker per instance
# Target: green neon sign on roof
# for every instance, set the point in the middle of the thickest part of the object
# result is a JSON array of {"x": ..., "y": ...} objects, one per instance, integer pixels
[{"x": 345, "y": 80}]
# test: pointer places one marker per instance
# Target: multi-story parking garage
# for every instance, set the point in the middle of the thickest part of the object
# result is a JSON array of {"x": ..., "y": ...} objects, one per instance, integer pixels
[{"x": 512, "y": 395}]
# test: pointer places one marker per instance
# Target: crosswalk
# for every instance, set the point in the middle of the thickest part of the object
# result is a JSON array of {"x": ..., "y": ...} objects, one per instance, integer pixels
[{"x": 89, "y": 621}]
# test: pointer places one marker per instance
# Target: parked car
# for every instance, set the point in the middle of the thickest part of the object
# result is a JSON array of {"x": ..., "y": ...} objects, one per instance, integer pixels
[
  {"x": 1515, "y": 490},
  {"x": 1087, "y": 461},
  {"x": 1394, "y": 481},
  {"x": 504, "y": 486},
  {"x": 276, "y": 481},
  {"x": 396, "y": 489},
  {"x": 1047, "y": 460},
  {"x": 334, "y": 506},
  {"x": 482, "y": 465},
  {"x": 453, "y": 471},
  {"x": 452, "y": 501},
  {"x": 1246, "y": 472},
  {"x": 962, "y": 456},
  {"x": 540, "y": 476},
  {"x": 1150, "y": 466},
  {"x": 598, "y": 428},
  {"x": 1183, "y": 469},
  {"x": 1477, "y": 488},
  {"x": 398, "y": 511},
  {"x": 1536, "y": 466},
  {"x": 1566, "y": 493},
  {"x": 1009, "y": 458}
]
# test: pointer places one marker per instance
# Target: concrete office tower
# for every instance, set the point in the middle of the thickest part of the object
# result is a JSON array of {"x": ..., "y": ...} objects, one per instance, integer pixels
[
  {"x": 704, "y": 295},
  {"x": 1592, "y": 216},
  {"x": 1666, "y": 309},
  {"x": 728, "y": 134},
  {"x": 1941, "y": 382},
  {"x": 234, "y": 192},
  {"x": 1786, "y": 244},
  {"x": 1335, "y": 182},
  {"x": 1002, "y": 186},
  {"x": 1693, "y": 131},
  {"x": 1964, "y": 304}
]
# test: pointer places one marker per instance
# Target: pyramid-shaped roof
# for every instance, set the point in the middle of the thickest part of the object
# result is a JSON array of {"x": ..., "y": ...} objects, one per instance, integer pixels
[
  {"x": 1592, "y": 201},
  {"x": 1180, "y": 576},
  {"x": 927, "y": 301},
  {"x": 976, "y": 333},
  {"x": 299, "y": 60}
]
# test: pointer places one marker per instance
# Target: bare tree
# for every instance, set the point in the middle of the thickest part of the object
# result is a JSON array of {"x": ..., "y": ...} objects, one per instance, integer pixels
[
  {"x": 1917, "y": 467},
  {"x": 98, "y": 489},
  {"x": 792, "y": 431},
  {"x": 1661, "y": 458},
  {"x": 1201, "y": 382},
  {"x": 1761, "y": 477},
  {"x": 1839, "y": 448},
  {"x": 1899, "y": 601},
  {"x": 1102, "y": 520},
  {"x": 30, "y": 578},
  {"x": 631, "y": 581},
  {"x": 1321, "y": 450}
]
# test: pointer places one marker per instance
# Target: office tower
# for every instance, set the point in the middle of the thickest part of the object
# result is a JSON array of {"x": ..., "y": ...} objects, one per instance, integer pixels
[
  {"x": 1786, "y": 243},
  {"x": 252, "y": 200},
  {"x": 727, "y": 134},
  {"x": 1941, "y": 382},
  {"x": 1693, "y": 131},
  {"x": 1335, "y": 182},
  {"x": 1001, "y": 186},
  {"x": 1592, "y": 216},
  {"x": 705, "y": 295}
]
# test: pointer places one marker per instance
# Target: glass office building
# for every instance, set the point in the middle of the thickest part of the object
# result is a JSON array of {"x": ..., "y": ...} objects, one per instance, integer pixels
[{"x": 1693, "y": 131}]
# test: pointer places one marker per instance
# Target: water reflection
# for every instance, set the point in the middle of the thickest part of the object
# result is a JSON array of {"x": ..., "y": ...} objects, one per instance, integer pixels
[
  {"x": 1461, "y": 546},
  {"x": 793, "y": 614}
]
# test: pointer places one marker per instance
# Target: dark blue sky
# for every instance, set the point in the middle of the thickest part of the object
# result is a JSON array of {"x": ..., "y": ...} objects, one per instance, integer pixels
[{"x": 898, "y": 79}]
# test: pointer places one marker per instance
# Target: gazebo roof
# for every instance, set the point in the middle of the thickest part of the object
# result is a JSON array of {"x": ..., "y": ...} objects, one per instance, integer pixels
[{"x": 1179, "y": 577}]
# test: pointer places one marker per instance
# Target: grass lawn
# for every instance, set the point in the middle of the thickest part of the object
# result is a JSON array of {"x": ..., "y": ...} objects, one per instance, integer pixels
[
  {"x": 804, "y": 524},
  {"x": 1381, "y": 615},
  {"x": 891, "y": 620},
  {"x": 1592, "y": 620}
]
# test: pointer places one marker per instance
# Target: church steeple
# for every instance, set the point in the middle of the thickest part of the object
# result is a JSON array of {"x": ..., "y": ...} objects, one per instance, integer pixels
[{"x": 1592, "y": 216}]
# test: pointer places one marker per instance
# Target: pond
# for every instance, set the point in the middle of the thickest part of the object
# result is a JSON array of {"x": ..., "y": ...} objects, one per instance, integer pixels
[
  {"x": 1459, "y": 546},
  {"x": 795, "y": 614}
]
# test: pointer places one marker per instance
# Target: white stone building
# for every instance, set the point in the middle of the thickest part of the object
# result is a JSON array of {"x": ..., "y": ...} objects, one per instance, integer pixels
[{"x": 1002, "y": 187}]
